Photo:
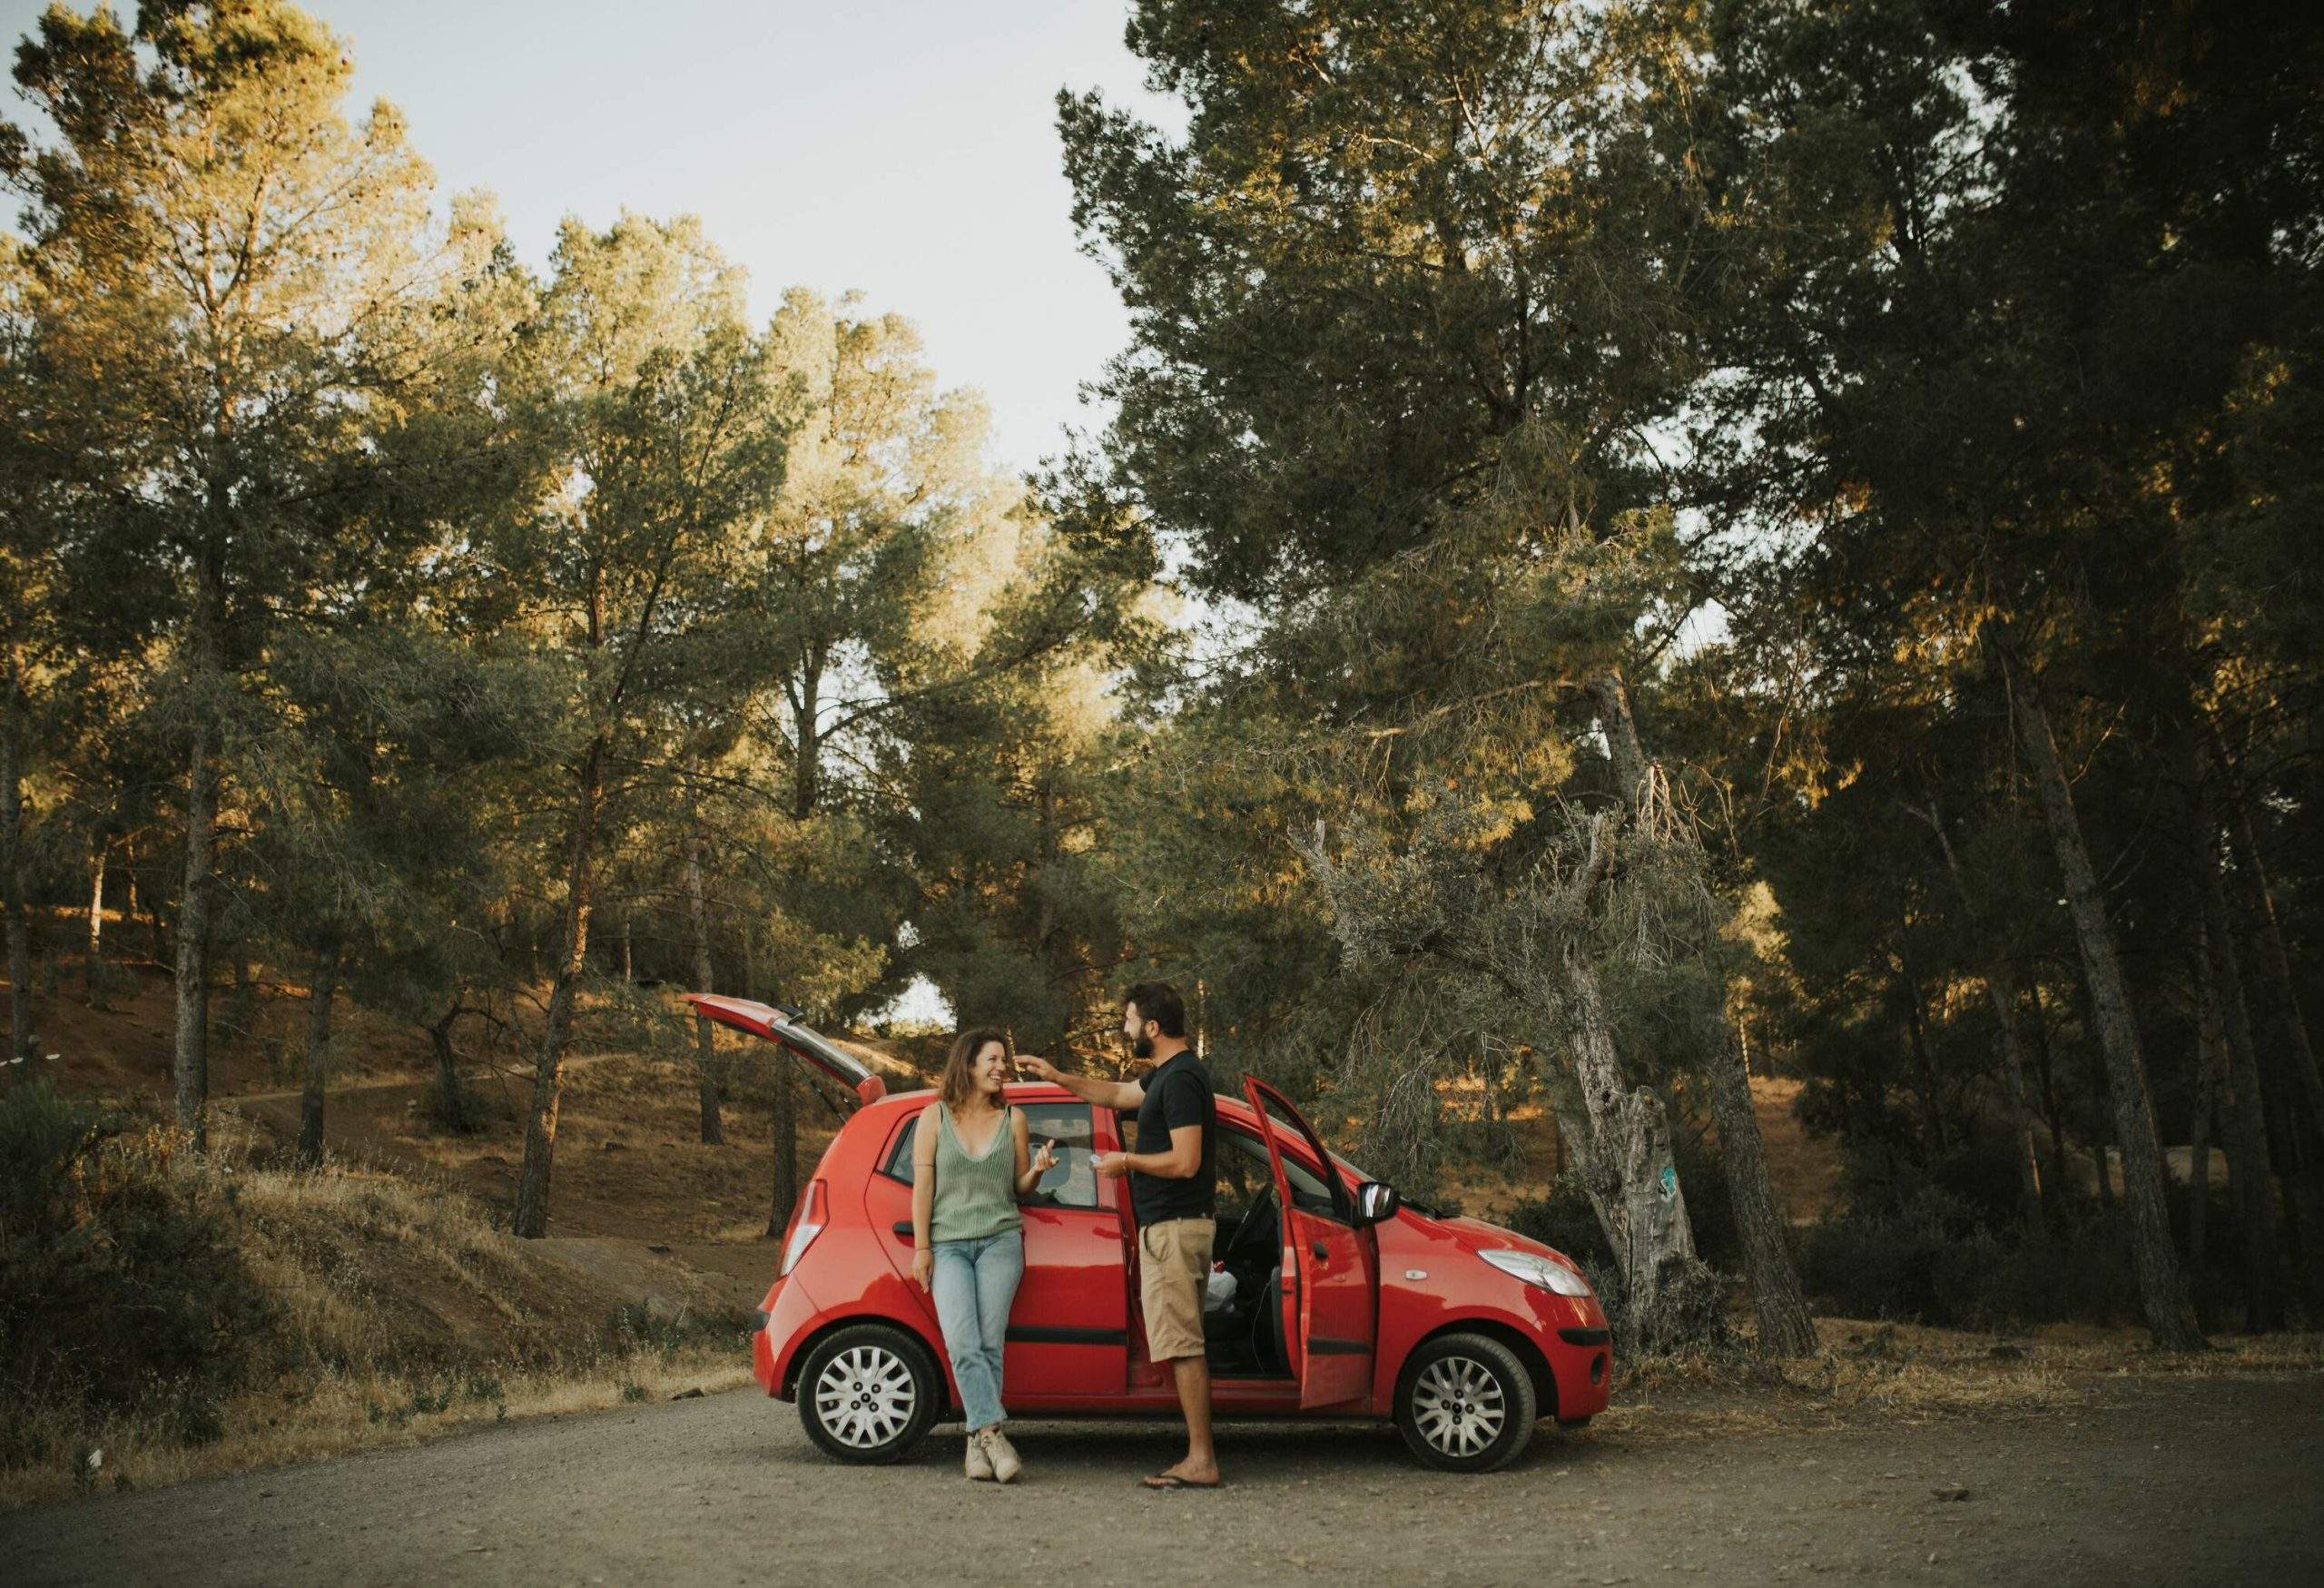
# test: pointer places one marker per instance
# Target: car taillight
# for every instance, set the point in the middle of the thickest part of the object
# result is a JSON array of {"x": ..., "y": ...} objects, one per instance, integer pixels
[{"x": 804, "y": 1229}]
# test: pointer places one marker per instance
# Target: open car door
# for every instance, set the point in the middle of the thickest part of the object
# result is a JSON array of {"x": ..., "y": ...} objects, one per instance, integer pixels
[
  {"x": 785, "y": 1029},
  {"x": 1329, "y": 1316}
]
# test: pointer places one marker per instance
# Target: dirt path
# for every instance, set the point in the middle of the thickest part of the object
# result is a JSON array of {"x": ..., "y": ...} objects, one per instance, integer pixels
[{"x": 2148, "y": 1481}]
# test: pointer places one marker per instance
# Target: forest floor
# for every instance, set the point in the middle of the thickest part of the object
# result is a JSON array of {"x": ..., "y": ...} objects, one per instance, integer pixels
[{"x": 2136, "y": 1479}]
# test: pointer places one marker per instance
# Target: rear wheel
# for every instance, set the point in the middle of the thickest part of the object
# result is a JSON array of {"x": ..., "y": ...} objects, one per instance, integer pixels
[
  {"x": 868, "y": 1393},
  {"x": 1464, "y": 1403}
]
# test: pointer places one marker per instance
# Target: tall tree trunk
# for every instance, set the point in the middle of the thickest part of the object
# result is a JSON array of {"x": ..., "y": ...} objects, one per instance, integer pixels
[
  {"x": 1785, "y": 1329},
  {"x": 2001, "y": 991},
  {"x": 191, "y": 1062},
  {"x": 2054, "y": 1109},
  {"x": 2209, "y": 1037},
  {"x": 1939, "y": 1139},
  {"x": 2275, "y": 962},
  {"x": 129, "y": 882},
  {"x": 92, "y": 969},
  {"x": 2101, "y": 1132},
  {"x": 706, "y": 1047},
  {"x": 2163, "y": 1289},
  {"x": 1629, "y": 1176},
  {"x": 2247, "y": 1155},
  {"x": 1772, "y": 1279},
  {"x": 11, "y": 863},
  {"x": 311, "y": 1101},
  {"x": 244, "y": 1025},
  {"x": 1611, "y": 697},
  {"x": 452, "y": 1108},
  {"x": 531, "y": 1220},
  {"x": 156, "y": 949}
]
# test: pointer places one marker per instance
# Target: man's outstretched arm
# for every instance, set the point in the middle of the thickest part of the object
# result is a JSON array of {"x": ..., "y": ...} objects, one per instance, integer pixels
[{"x": 1107, "y": 1094}]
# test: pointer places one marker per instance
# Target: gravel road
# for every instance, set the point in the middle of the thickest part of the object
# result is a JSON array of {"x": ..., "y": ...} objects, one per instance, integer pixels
[{"x": 2146, "y": 1480}]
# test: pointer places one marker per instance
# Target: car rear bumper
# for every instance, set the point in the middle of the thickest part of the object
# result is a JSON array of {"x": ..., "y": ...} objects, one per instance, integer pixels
[{"x": 786, "y": 1321}]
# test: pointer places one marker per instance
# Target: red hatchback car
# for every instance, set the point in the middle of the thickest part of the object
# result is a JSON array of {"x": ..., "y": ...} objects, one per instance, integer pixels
[{"x": 1330, "y": 1296}]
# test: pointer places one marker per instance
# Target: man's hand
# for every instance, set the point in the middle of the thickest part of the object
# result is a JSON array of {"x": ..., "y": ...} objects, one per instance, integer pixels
[
  {"x": 1034, "y": 1068},
  {"x": 1110, "y": 1166}
]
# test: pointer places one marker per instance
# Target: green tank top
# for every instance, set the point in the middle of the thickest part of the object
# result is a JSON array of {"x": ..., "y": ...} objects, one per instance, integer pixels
[{"x": 976, "y": 1196}]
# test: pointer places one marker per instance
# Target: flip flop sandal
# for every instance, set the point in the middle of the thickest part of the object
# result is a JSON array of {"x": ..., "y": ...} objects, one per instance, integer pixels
[{"x": 1170, "y": 1480}]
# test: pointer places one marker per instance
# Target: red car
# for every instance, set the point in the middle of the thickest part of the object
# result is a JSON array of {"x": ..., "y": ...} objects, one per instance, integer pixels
[{"x": 1329, "y": 1297}]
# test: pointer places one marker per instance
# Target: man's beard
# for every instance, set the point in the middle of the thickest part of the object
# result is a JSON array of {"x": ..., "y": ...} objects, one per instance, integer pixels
[{"x": 1141, "y": 1047}]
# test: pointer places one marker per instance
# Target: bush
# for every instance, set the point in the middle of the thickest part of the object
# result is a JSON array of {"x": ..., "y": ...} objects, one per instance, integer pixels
[
  {"x": 1561, "y": 1218},
  {"x": 120, "y": 1286},
  {"x": 1934, "y": 1258}
]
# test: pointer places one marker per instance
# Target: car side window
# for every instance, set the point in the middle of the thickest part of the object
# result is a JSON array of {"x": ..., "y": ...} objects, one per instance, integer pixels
[
  {"x": 1073, "y": 1183},
  {"x": 1309, "y": 1191},
  {"x": 1240, "y": 1161}
]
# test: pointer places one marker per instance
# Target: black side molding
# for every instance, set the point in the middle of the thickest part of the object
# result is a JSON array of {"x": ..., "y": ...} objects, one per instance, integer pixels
[
  {"x": 1585, "y": 1337},
  {"x": 1322, "y": 1347},
  {"x": 1043, "y": 1334}
]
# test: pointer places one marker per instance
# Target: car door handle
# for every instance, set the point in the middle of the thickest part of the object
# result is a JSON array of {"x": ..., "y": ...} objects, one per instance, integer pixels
[
  {"x": 901, "y": 1227},
  {"x": 1317, "y": 1247}
]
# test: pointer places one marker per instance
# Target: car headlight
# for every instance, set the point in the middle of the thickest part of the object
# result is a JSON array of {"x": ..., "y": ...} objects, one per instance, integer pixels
[{"x": 1535, "y": 1269}]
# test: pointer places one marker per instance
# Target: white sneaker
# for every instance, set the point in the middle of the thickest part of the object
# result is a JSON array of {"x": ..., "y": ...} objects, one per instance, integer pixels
[
  {"x": 1002, "y": 1455},
  {"x": 978, "y": 1466}
]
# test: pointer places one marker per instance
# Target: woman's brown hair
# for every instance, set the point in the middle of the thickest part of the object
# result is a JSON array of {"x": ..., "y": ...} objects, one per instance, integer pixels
[{"x": 955, "y": 1087}]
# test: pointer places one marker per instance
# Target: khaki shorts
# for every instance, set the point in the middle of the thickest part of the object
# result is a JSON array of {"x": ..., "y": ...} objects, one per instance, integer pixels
[{"x": 1174, "y": 1270}]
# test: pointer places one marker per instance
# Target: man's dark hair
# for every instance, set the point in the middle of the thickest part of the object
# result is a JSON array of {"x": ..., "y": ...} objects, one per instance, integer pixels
[{"x": 1159, "y": 1001}]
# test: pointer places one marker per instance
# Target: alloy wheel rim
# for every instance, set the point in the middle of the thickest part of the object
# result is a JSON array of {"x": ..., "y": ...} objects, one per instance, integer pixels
[
  {"x": 864, "y": 1396},
  {"x": 1458, "y": 1405}
]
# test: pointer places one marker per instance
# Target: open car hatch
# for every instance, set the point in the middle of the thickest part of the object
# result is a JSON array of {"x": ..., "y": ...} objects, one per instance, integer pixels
[{"x": 785, "y": 1029}]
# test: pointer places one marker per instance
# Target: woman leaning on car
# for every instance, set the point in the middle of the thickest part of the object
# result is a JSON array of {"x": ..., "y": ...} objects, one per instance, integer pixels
[{"x": 968, "y": 1238}]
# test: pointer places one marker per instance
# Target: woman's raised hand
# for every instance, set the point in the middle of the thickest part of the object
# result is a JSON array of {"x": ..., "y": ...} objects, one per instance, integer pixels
[{"x": 1045, "y": 1157}]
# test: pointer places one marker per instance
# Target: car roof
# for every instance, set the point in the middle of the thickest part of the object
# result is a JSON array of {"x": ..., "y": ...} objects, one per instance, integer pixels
[
  {"x": 1048, "y": 1091},
  {"x": 1022, "y": 1091}
]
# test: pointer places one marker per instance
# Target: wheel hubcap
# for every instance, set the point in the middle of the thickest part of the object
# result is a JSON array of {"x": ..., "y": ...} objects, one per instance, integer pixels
[
  {"x": 1458, "y": 1405},
  {"x": 864, "y": 1396}
]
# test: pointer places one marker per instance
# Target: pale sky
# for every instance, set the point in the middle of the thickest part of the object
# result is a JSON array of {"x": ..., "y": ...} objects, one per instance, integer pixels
[{"x": 906, "y": 148}]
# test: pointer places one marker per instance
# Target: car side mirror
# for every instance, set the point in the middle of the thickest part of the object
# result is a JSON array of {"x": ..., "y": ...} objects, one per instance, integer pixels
[{"x": 1376, "y": 1202}]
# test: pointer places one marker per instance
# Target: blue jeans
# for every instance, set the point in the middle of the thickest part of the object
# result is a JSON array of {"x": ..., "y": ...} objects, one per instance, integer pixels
[{"x": 975, "y": 1284}]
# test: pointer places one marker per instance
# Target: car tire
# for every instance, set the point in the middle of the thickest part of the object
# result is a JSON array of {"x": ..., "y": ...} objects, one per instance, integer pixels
[
  {"x": 868, "y": 1393},
  {"x": 1464, "y": 1403}
]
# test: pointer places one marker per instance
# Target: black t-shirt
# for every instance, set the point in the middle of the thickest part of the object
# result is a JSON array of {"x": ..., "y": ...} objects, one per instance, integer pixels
[{"x": 1177, "y": 1094}]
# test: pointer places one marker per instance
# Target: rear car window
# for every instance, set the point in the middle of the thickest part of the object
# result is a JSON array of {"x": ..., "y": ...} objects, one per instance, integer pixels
[{"x": 1073, "y": 1183}]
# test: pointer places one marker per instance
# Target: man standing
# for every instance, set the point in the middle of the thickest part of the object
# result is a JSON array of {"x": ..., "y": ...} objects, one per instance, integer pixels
[{"x": 1173, "y": 1195}]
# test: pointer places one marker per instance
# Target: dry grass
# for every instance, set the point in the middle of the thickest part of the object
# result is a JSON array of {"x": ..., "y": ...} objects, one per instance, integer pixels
[
  {"x": 1880, "y": 1372},
  {"x": 396, "y": 1311}
]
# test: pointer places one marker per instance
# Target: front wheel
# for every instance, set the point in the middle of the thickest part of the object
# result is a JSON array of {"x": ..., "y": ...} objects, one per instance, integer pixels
[
  {"x": 1464, "y": 1403},
  {"x": 868, "y": 1393}
]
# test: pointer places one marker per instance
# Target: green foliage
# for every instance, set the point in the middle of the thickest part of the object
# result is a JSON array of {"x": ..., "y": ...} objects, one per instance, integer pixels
[
  {"x": 1933, "y": 1258},
  {"x": 120, "y": 1282},
  {"x": 1786, "y": 363}
]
